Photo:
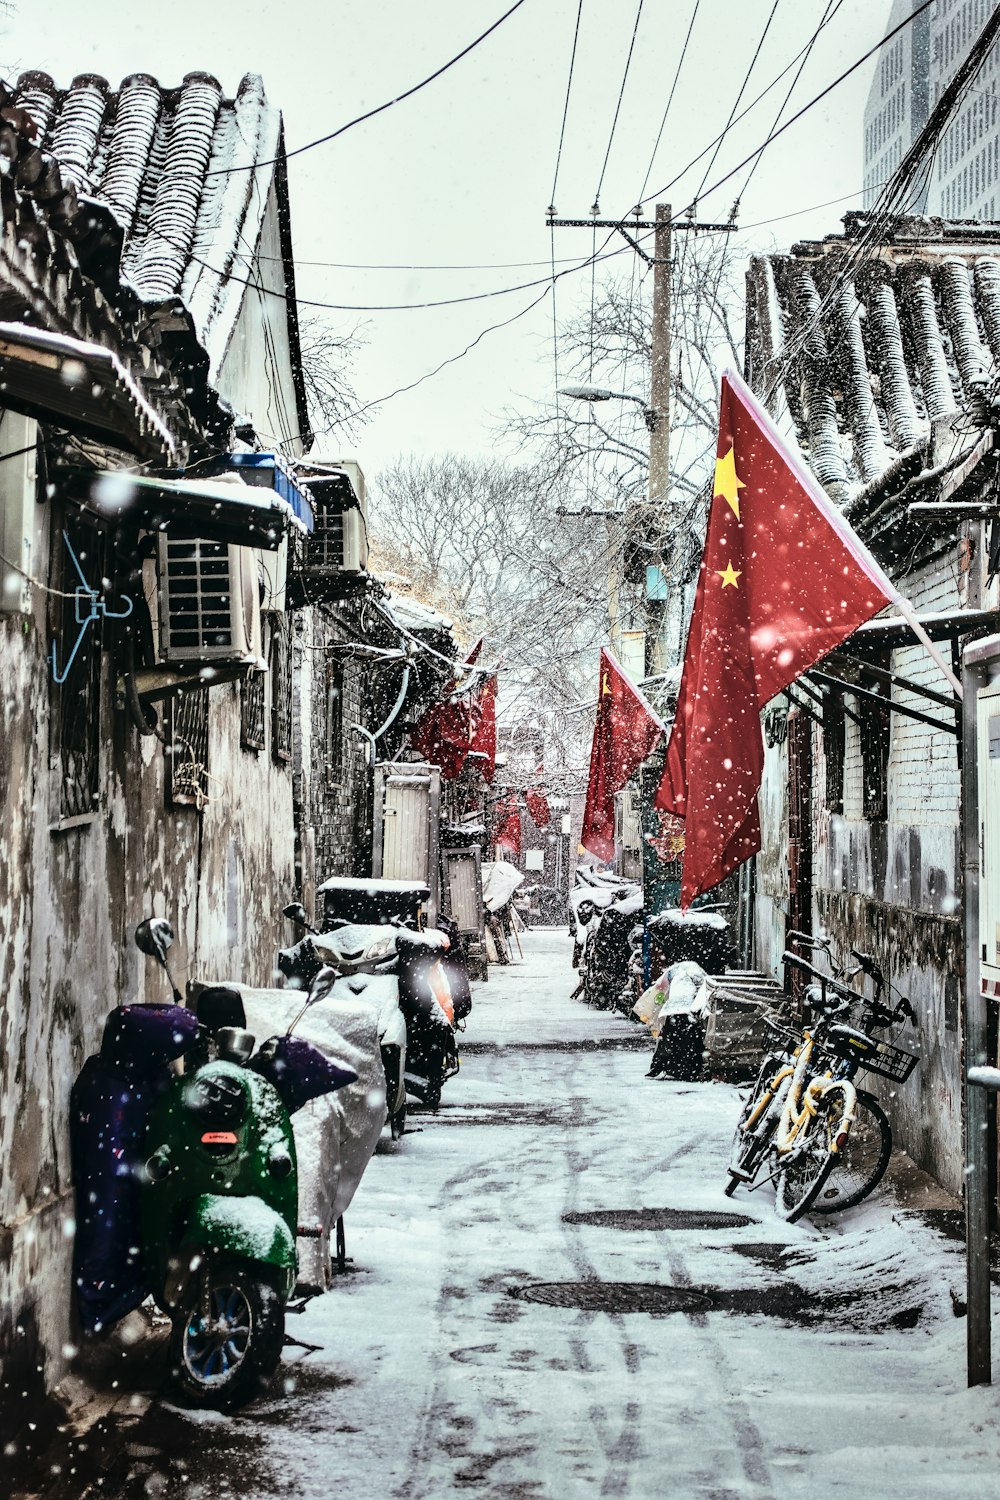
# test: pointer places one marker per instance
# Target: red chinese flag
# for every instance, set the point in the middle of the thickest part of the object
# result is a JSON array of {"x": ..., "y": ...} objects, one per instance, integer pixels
[
  {"x": 442, "y": 736},
  {"x": 538, "y": 805},
  {"x": 448, "y": 730},
  {"x": 625, "y": 733},
  {"x": 484, "y": 730},
  {"x": 783, "y": 581},
  {"x": 507, "y": 822}
]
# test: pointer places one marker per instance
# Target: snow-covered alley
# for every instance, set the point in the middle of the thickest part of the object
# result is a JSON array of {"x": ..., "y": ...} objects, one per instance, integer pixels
[{"x": 829, "y": 1359}]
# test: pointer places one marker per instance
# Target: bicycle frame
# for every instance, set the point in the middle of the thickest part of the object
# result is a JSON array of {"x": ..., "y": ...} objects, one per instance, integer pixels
[{"x": 801, "y": 1101}]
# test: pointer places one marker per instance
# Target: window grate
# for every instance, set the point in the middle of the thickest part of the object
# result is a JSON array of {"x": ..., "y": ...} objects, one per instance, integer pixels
[
  {"x": 875, "y": 733},
  {"x": 252, "y": 711},
  {"x": 325, "y": 547},
  {"x": 334, "y": 722},
  {"x": 197, "y": 597},
  {"x": 187, "y": 744},
  {"x": 833, "y": 749},
  {"x": 281, "y": 691}
]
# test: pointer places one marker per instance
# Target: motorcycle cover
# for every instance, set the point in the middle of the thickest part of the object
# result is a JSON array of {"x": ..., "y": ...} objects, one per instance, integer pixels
[
  {"x": 110, "y": 1103},
  {"x": 335, "y": 1135}
]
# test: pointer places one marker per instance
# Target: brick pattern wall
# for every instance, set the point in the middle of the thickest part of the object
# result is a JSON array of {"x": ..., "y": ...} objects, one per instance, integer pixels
[{"x": 332, "y": 781}]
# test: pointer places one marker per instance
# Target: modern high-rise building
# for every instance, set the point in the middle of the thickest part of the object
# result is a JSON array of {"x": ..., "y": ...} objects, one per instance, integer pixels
[
  {"x": 897, "y": 106},
  {"x": 963, "y": 180}
]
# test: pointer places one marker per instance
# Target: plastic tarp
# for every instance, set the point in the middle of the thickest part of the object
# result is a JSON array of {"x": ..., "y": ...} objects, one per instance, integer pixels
[
  {"x": 500, "y": 881},
  {"x": 336, "y": 1135}
]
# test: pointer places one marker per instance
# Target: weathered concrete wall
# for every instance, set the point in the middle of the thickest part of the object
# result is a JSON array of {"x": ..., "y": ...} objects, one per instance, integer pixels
[
  {"x": 892, "y": 886},
  {"x": 255, "y": 374},
  {"x": 70, "y": 900}
]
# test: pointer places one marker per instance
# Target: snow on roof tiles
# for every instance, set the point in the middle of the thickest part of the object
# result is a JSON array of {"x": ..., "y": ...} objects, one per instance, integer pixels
[
  {"x": 908, "y": 337},
  {"x": 176, "y": 168}
]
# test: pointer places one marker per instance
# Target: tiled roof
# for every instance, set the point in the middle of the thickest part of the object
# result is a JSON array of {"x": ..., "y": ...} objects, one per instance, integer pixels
[
  {"x": 176, "y": 169},
  {"x": 871, "y": 356}
]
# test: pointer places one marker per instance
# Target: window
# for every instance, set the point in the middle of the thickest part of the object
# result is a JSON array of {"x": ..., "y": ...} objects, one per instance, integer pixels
[
  {"x": 875, "y": 735},
  {"x": 334, "y": 721},
  {"x": 281, "y": 690},
  {"x": 833, "y": 749},
  {"x": 252, "y": 711},
  {"x": 187, "y": 749},
  {"x": 76, "y": 705}
]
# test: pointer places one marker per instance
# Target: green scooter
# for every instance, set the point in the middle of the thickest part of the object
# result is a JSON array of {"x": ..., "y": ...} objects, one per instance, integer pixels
[{"x": 219, "y": 1201}]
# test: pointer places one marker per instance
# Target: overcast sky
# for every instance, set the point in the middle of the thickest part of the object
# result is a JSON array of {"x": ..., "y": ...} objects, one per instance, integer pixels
[{"x": 461, "y": 174}]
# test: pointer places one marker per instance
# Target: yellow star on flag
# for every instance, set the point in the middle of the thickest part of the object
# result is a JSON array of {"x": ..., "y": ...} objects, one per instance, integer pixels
[
  {"x": 727, "y": 482},
  {"x": 729, "y": 576}
]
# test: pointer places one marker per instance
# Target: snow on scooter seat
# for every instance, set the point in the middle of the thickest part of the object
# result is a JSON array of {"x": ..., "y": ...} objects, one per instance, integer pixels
[{"x": 335, "y": 1135}]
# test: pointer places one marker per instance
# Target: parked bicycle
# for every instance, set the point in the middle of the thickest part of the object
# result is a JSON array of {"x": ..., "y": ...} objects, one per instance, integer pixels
[{"x": 827, "y": 1143}]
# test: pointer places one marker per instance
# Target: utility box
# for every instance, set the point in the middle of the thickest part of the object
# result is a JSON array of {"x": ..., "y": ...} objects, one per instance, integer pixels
[
  {"x": 17, "y": 512},
  {"x": 406, "y": 844}
]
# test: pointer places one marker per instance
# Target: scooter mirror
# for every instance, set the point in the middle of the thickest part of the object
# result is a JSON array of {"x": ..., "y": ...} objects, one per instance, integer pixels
[
  {"x": 154, "y": 936},
  {"x": 296, "y": 912}
]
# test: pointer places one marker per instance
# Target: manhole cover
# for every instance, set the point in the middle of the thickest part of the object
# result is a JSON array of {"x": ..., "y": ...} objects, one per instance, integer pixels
[
  {"x": 613, "y": 1296},
  {"x": 658, "y": 1218}
]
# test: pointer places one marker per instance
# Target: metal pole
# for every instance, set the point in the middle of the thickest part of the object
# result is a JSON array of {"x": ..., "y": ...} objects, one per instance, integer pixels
[
  {"x": 662, "y": 617},
  {"x": 977, "y": 1175}
]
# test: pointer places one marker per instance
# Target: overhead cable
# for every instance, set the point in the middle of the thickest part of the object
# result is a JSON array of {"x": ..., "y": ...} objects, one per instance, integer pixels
[{"x": 379, "y": 109}]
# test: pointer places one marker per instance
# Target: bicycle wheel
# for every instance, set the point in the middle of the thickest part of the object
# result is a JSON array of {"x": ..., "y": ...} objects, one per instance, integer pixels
[
  {"x": 749, "y": 1147},
  {"x": 801, "y": 1173},
  {"x": 861, "y": 1165}
]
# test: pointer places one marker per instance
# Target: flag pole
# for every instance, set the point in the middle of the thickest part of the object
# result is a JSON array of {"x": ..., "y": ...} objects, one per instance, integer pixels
[
  {"x": 909, "y": 615},
  {"x": 843, "y": 528}
]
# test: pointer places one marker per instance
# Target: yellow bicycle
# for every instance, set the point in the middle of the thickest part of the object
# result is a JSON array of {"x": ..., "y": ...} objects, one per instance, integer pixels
[{"x": 804, "y": 1113}]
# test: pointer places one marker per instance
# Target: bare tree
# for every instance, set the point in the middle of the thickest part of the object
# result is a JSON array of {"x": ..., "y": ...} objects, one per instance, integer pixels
[
  {"x": 603, "y": 450},
  {"x": 327, "y": 356},
  {"x": 486, "y": 542}
]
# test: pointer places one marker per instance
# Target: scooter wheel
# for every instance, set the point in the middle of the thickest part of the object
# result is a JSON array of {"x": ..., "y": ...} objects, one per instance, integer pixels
[{"x": 227, "y": 1359}]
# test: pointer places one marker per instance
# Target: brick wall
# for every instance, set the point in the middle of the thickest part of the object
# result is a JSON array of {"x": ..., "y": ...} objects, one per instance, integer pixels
[{"x": 332, "y": 775}]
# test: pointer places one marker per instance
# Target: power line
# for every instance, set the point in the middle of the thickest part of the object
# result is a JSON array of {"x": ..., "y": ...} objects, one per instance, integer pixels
[
  {"x": 739, "y": 96},
  {"x": 569, "y": 85},
  {"x": 825, "y": 19},
  {"x": 670, "y": 96},
  {"x": 795, "y": 118},
  {"x": 618, "y": 106},
  {"x": 379, "y": 109}
]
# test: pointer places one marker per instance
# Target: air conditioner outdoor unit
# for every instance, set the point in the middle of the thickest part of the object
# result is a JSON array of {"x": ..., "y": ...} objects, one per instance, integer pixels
[
  {"x": 340, "y": 539},
  {"x": 209, "y": 601}
]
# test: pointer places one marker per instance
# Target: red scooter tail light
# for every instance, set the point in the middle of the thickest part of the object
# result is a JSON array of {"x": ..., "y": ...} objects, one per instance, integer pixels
[{"x": 219, "y": 1138}]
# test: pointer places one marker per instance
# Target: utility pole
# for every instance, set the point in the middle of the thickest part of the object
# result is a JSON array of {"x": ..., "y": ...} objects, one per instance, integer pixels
[
  {"x": 660, "y": 610},
  {"x": 663, "y": 591}
]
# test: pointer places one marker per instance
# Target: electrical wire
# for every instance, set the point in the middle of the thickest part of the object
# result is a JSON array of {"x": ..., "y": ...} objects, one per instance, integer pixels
[
  {"x": 739, "y": 96},
  {"x": 773, "y": 136},
  {"x": 569, "y": 85},
  {"x": 670, "y": 96},
  {"x": 618, "y": 106},
  {"x": 831, "y": 10},
  {"x": 378, "y": 110}
]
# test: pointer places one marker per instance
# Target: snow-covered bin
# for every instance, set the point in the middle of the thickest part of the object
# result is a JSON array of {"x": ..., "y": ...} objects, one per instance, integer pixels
[
  {"x": 336, "y": 1135},
  {"x": 699, "y": 935}
]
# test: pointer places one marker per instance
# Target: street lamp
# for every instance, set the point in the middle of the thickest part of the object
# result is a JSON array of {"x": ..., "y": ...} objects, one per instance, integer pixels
[{"x": 598, "y": 393}]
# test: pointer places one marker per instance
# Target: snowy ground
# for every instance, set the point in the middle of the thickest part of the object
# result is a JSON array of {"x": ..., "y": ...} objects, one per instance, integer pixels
[{"x": 831, "y": 1360}]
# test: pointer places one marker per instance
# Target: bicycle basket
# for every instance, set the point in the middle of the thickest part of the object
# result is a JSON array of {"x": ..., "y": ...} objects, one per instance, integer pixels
[{"x": 877, "y": 1056}]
